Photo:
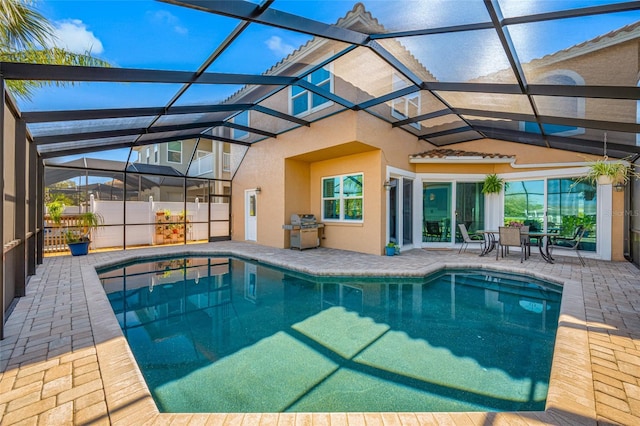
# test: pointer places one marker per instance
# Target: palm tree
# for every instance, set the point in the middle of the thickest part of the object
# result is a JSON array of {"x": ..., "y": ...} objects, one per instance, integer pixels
[{"x": 25, "y": 36}]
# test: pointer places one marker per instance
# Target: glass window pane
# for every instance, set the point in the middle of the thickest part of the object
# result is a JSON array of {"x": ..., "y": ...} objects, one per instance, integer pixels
[
  {"x": 243, "y": 120},
  {"x": 331, "y": 209},
  {"x": 331, "y": 187},
  {"x": 469, "y": 207},
  {"x": 319, "y": 76},
  {"x": 352, "y": 186},
  {"x": 524, "y": 203},
  {"x": 353, "y": 209},
  {"x": 300, "y": 104},
  {"x": 317, "y": 100},
  {"x": 436, "y": 211},
  {"x": 569, "y": 204}
]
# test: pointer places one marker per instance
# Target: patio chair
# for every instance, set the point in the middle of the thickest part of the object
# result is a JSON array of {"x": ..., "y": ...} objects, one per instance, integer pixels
[
  {"x": 433, "y": 230},
  {"x": 466, "y": 239},
  {"x": 510, "y": 237},
  {"x": 526, "y": 240},
  {"x": 572, "y": 243}
]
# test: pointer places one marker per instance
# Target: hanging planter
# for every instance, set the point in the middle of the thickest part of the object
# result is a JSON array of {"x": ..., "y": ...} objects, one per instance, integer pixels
[
  {"x": 607, "y": 173},
  {"x": 492, "y": 184},
  {"x": 604, "y": 172}
]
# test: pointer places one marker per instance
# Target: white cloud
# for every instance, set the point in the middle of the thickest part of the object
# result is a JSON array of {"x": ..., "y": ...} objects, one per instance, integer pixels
[
  {"x": 162, "y": 17},
  {"x": 73, "y": 36},
  {"x": 275, "y": 44}
]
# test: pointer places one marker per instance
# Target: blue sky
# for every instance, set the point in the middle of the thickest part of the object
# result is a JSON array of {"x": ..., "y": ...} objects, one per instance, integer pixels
[{"x": 151, "y": 34}]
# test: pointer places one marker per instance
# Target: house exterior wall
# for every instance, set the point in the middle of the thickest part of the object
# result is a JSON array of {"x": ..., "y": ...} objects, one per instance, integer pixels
[{"x": 289, "y": 170}]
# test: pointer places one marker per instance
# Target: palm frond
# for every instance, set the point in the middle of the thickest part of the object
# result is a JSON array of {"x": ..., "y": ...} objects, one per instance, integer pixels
[{"x": 22, "y": 26}]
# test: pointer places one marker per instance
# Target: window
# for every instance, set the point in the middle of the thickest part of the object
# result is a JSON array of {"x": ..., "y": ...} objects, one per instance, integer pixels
[
  {"x": 174, "y": 152},
  {"x": 303, "y": 101},
  {"x": 572, "y": 107},
  {"x": 342, "y": 198},
  {"x": 406, "y": 106},
  {"x": 243, "y": 120},
  {"x": 148, "y": 154},
  {"x": 155, "y": 154}
]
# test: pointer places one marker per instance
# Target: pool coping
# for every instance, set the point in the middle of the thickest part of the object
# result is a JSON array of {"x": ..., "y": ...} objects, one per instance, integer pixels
[{"x": 569, "y": 401}]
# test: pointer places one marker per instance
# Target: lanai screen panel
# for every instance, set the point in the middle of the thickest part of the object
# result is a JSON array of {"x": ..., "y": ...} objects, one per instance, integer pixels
[
  {"x": 84, "y": 126},
  {"x": 571, "y": 59},
  {"x": 498, "y": 102},
  {"x": 402, "y": 61},
  {"x": 395, "y": 15},
  {"x": 466, "y": 56}
]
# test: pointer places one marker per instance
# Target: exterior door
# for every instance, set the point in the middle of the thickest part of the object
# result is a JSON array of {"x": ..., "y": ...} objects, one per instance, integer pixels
[
  {"x": 469, "y": 208},
  {"x": 436, "y": 209},
  {"x": 250, "y": 215}
]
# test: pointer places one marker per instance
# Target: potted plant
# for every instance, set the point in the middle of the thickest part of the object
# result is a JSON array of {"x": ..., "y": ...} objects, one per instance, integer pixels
[
  {"x": 391, "y": 248},
  {"x": 608, "y": 172},
  {"x": 55, "y": 210},
  {"x": 492, "y": 184},
  {"x": 78, "y": 240}
]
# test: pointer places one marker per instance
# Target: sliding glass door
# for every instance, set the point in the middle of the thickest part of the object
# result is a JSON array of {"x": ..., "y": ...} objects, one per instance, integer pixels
[
  {"x": 436, "y": 208},
  {"x": 559, "y": 207},
  {"x": 469, "y": 207}
]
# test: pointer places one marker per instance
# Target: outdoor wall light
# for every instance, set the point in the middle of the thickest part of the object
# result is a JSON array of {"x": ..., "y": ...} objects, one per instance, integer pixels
[
  {"x": 387, "y": 185},
  {"x": 619, "y": 187},
  {"x": 258, "y": 190}
]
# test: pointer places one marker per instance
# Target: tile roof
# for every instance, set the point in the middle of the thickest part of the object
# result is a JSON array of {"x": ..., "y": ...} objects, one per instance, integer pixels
[{"x": 451, "y": 153}]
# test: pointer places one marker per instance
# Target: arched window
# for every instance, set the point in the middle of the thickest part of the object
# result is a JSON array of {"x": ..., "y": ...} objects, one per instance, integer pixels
[{"x": 569, "y": 107}]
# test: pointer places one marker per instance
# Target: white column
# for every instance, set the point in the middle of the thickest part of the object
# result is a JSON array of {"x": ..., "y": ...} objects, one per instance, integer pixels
[{"x": 603, "y": 222}]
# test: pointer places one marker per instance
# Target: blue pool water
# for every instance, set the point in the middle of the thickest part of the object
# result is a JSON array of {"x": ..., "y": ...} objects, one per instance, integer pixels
[{"x": 227, "y": 335}]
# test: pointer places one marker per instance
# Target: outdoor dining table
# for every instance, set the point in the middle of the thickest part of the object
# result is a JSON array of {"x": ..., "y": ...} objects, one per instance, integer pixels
[
  {"x": 490, "y": 240},
  {"x": 542, "y": 237},
  {"x": 543, "y": 243}
]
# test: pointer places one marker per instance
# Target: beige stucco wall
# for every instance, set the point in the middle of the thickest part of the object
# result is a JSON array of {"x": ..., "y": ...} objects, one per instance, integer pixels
[{"x": 289, "y": 170}]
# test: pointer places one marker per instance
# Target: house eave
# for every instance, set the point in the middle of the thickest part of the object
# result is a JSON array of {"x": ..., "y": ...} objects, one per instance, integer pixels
[{"x": 461, "y": 160}]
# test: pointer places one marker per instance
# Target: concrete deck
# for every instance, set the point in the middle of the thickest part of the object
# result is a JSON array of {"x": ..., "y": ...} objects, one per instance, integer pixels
[{"x": 64, "y": 359}]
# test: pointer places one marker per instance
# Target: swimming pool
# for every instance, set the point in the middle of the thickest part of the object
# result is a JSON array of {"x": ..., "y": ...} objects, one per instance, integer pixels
[{"x": 226, "y": 335}]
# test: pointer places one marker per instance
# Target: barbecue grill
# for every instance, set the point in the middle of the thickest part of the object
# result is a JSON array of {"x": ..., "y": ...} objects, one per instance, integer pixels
[{"x": 304, "y": 231}]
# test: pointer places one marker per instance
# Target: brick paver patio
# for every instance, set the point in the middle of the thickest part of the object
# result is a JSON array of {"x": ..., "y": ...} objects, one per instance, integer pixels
[{"x": 64, "y": 359}]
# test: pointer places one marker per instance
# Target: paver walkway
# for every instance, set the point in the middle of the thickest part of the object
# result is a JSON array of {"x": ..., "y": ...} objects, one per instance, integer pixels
[{"x": 64, "y": 359}]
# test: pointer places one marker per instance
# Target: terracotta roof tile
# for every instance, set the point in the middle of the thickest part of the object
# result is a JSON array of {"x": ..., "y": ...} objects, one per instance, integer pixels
[{"x": 442, "y": 153}]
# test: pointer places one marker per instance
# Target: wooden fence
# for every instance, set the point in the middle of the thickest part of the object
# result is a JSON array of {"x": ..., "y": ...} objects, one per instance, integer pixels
[{"x": 55, "y": 234}]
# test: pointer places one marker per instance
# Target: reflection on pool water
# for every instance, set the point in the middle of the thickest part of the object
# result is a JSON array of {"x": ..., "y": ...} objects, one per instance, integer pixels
[{"x": 227, "y": 335}]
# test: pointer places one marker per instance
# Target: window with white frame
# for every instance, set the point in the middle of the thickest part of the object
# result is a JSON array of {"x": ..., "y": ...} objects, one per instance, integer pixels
[
  {"x": 303, "y": 102},
  {"x": 155, "y": 154},
  {"x": 148, "y": 154},
  {"x": 243, "y": 120},
  {"x": 405, "y": 106},
  {"x": 174, "y": 152},
  {"x": 343, "y": 198}
]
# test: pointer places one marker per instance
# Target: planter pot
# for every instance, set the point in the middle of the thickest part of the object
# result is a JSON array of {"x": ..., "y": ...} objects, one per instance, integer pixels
[
  {"x": 79, "y": 249},
  {"x": 390, "y": 251},
  {"x": 605, "y": 180}
]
